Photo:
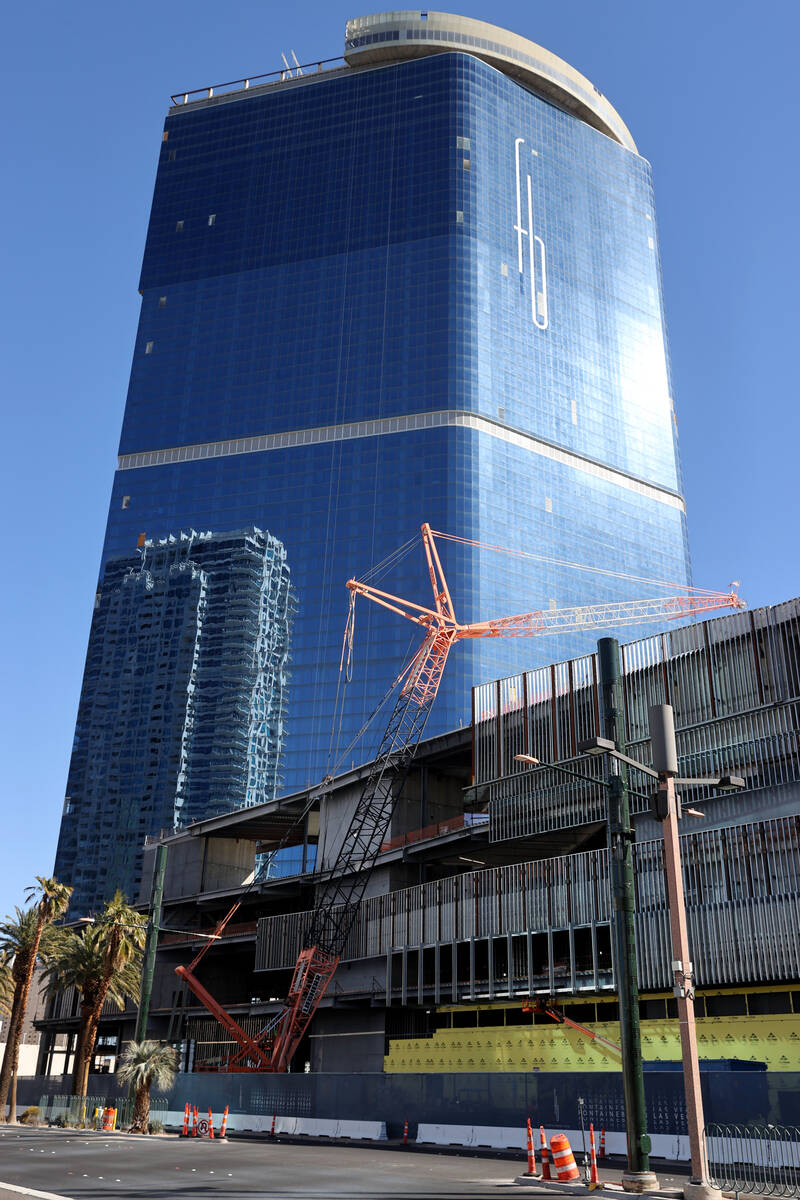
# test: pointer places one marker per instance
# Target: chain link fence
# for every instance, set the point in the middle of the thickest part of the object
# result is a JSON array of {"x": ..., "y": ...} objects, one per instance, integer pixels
[{"x": 87, "y": 1112}]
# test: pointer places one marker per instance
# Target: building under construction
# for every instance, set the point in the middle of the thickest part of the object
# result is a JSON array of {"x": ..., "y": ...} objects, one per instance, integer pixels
[
  {"x": 487, "y": 917},
  {"x": 183, "y": 707}
]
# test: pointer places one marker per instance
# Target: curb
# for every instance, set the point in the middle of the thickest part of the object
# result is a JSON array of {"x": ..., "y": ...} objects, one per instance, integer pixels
[{"x": 582, "y": 1189}]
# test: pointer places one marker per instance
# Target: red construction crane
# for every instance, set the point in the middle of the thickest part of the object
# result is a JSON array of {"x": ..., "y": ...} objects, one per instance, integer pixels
[{"x": 332, "y": 920}]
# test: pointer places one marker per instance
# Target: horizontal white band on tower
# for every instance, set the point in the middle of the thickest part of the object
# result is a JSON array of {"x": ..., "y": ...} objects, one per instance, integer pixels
[{"x": 403, "y": 424}]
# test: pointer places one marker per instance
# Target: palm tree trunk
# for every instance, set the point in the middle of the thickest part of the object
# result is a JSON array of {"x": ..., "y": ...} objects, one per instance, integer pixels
[
  {"x": 12, "y": 1047},
  {"x": 9, "y": 1068},
  {"x": 141, "y": 1109},
  {"x": 80, "y": 1066},
  {"x": 90, "y": 1035},
  {"x": 84, "y": 1051}
]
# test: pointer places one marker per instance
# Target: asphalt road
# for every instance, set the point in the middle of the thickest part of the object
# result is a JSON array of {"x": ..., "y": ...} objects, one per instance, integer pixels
[{"x": 84, "y": 1166}]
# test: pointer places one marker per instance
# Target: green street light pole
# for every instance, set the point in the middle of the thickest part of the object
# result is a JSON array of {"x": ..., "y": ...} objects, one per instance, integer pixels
[
  {"x": 638, "y": 1177},
  {"x": 151, "y": 943}
]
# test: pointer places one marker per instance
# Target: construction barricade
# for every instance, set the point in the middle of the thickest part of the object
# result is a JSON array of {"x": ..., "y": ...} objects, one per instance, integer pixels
[
  {"x": 594, "y": 1178},
  {"x": 563, "y": 1158},
  {"x": 531, "y": 1154},
  {"x": 544, "y": 1153}
]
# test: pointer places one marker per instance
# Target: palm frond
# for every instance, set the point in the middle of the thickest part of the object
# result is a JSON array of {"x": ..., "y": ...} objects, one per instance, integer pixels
[
  {"x": 123, "y": 930},
  {"x": 80, "y": 960},
  {"x": 52, "y": 898},
  {"x": 146, "y": 1063}
]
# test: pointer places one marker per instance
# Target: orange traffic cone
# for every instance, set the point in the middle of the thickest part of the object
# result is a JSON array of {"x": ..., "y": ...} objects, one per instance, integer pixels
[
  {"x": 210, "y": 1125},
  {"x": 594, "y": 1178},
  {"x": 531, "y": 1155},
  {"x": 545, "y": 1154},
  {"x": 196, "y": 1117},
  {"x": 185, "y": 1130},
  {"x": 405, "y": 1132},
  {"x": 563, "y": 1158},
  {"x": 272, "y": 1131},
  {"x": 224, "y": 1125}
]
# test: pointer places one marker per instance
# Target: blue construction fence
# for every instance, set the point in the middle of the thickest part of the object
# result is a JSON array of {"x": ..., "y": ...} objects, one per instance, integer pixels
[{"x": 731, "y": 1096}]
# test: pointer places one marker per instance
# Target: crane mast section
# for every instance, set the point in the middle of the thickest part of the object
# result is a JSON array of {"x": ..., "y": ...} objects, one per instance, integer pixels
[
  {"x": 326, "y": 936},
  {"x": 351, "y": 869}
]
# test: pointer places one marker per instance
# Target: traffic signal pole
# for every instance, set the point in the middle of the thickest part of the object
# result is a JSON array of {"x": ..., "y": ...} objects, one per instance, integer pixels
[{"x": 638, "y": 1177}]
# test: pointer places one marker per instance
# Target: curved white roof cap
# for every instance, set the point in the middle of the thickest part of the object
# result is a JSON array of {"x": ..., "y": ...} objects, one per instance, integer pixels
[{"x": 384, "y": 37}]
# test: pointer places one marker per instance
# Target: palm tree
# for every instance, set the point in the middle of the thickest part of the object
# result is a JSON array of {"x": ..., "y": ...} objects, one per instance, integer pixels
[
  {"x": 102, "y": 963},
  {"x": 144, "y": 1064},
  {"x": 25, "y": 939}
]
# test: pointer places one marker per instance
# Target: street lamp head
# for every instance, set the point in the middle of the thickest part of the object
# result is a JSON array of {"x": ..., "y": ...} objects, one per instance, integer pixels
[
  {"x": 527, "y": 758},
  {"x": 730, "y": 783},
  {"x": 596, "y": 745}
]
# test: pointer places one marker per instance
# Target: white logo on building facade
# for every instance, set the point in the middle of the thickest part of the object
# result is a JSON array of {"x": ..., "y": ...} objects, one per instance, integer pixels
[{"x": 536, "y": 257}]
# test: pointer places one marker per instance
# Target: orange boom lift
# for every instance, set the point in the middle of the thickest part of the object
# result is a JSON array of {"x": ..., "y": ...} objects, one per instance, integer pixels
[{"x": 331, "y": 922}]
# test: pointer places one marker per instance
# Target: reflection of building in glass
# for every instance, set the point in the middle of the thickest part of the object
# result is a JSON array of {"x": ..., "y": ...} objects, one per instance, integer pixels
[
  {"x": 422, "y": 285},
  {"x": 182, "y": 712}
]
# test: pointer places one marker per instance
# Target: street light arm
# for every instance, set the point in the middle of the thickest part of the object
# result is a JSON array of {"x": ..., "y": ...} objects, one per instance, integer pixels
[
  {"x": 547, "y": 766},
  {"x": 598, "y": 745}
]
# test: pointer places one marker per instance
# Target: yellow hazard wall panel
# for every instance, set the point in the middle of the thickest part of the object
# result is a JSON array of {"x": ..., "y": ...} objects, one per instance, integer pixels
[{"x": 773, "y": 1039}]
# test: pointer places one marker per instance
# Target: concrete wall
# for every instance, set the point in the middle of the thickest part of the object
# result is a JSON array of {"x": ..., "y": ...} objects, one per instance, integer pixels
[
  {"x": 348, "y": 1040},
  {"x": 196, "y": 864},
  {"x": 28, "y": 1054}
]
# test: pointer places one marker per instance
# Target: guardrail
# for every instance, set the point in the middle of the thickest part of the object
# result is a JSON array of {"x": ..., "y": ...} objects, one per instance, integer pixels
[
  {"x": 451, "y": 825},
  {"x": 230, "y": 931},
  {"x": 759, "y": 1160},
  {"x": 291, "y": 71}
]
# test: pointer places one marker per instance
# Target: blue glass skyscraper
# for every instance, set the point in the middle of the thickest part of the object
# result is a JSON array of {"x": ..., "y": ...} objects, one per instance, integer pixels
[{"x": 421, "y": 284}]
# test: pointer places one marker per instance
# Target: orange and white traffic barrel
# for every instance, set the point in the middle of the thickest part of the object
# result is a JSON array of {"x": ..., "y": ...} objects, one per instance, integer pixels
[{"x": 563, "y": 1158}]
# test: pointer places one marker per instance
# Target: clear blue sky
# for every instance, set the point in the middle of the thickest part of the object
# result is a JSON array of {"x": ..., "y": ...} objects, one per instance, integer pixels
[{"x": 708, "y": 91}]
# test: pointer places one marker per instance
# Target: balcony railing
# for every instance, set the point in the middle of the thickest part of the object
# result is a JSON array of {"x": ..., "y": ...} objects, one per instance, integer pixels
[{"x": 451, "y": 825}]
